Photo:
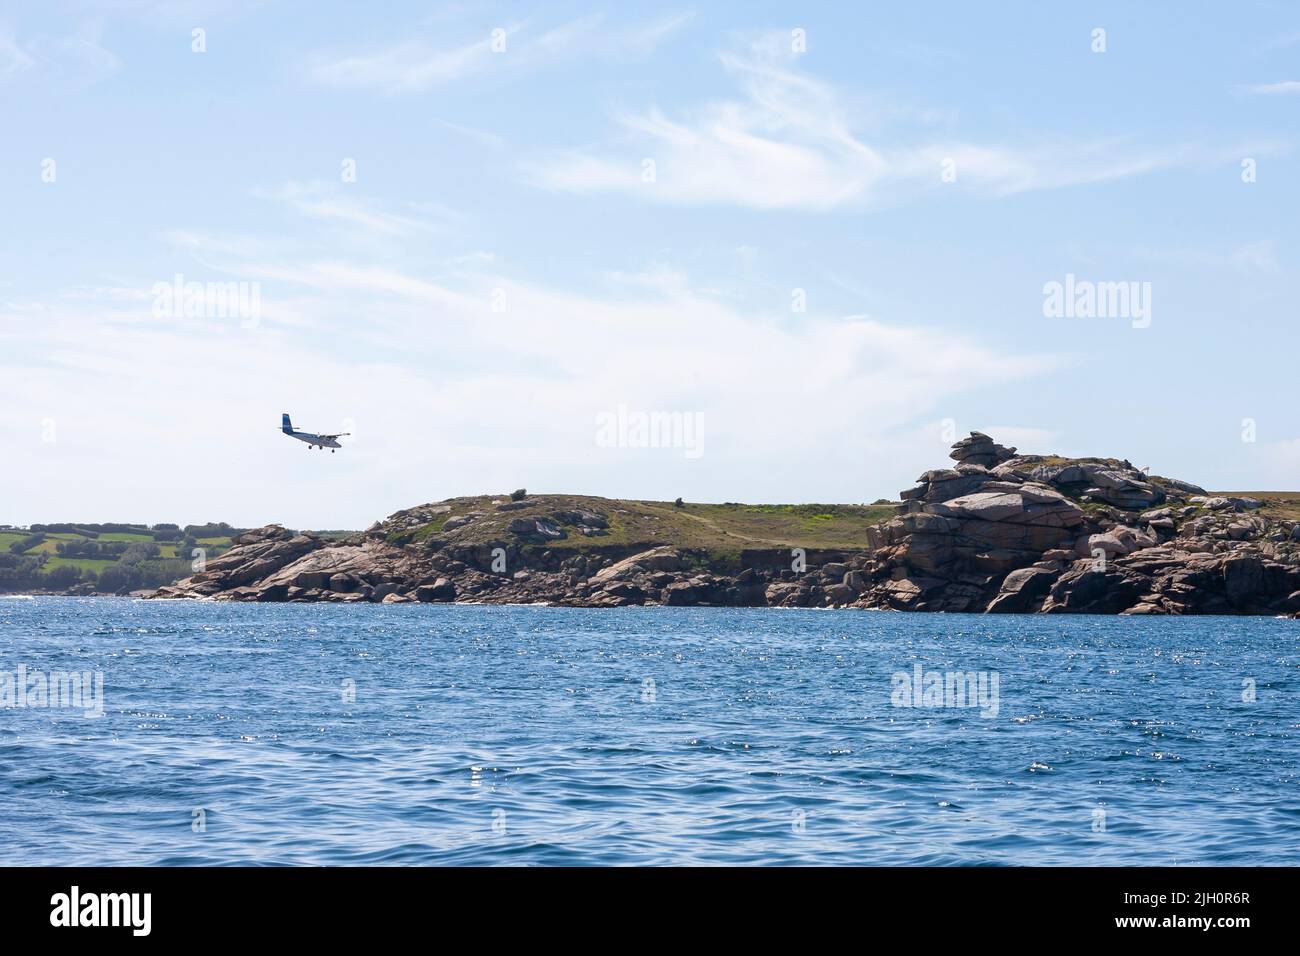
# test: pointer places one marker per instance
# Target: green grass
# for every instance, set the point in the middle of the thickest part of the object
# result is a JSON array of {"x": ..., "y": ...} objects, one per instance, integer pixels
[
  {"x": 168, "y": 549},
  {"x": 1282, "y": 505},
  {"x": 1058, "y": 460},
  {"x": 720, "y": 528},
  {"x": 94, "y": 564},
  {"x": 806, "y": 526},
  {"x": 51, "y": 543}
]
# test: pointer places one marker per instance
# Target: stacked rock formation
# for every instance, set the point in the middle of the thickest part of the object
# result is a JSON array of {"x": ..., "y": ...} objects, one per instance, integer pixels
[{"x": 1003, "y": 533}]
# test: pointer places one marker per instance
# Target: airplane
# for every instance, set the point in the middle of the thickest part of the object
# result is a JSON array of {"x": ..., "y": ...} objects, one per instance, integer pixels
[{"x": 313, "y": 441}]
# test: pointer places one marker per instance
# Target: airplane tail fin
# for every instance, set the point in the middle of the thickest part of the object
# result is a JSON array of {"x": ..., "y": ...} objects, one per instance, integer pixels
[{"x": 285, "y": 425}]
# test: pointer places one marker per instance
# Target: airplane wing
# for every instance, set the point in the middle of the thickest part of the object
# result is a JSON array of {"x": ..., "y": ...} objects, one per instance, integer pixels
[{"x": 339, "y": 435}]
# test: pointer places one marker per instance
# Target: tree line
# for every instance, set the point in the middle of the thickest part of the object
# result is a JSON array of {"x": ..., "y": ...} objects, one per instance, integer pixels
[{"x": 162, "y": 531}]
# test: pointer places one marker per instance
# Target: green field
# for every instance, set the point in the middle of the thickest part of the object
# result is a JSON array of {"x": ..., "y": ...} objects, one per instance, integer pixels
[
  {"x": 51, "y": 543},
  {"x": 172, "y": 559},
  {"x": 94, "y": 564}
]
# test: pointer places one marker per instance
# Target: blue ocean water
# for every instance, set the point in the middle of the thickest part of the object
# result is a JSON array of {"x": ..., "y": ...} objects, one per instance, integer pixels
[{"x": 314, "y": 734}]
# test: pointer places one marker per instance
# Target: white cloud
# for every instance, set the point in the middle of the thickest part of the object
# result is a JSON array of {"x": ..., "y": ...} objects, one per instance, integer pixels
[
  {"x": 13, "y": 58},
  {"x": 1282, "y": 40},
  {"x": 329, "y": 201},
  {"x": 1248, "y": 258},
  {"x": 403, "y": 68},
  {"x": 789, "y": 143},
  {"x": 1290, "y": 87},
  {"x": 420, "y": 64},
  {"x": 80, "y": 55},
  {"x": 84, "y": 50},
  {"x": 1007, "y": 170},
  {"x": 786, "y": 145},
  {"x": 1255, "y": 257},
  {"x": 481, "y": 136},
  {"x": 644, "y": 38}
]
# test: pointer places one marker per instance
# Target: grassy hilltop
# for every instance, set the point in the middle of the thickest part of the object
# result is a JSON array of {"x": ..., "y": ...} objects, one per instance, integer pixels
[
  {"x": 720, "y": 528},
  {"x": 728, "y": 526},
  {"x": 1284, "y": 505}
]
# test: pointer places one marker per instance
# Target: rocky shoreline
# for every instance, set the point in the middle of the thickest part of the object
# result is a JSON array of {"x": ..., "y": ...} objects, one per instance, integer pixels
[{"x": 997, "y": 532}]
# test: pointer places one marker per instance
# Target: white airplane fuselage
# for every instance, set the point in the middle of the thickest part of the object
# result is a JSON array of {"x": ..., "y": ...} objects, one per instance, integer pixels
[{"x": 320, "y": 441}]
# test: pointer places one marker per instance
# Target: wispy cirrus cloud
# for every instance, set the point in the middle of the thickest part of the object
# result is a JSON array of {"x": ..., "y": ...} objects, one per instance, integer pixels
[
  {"x": 786, "y": 144},
  {"x": 13, "y": 58},
  {"x": 1006, "y": 170},
  {"x": 1248, "y": 258},
  {"x": 402, "y": 68},
  {"x": 413, "y": 66},
  {"x": 80, "y": 54},
  {"x": 1285, "y": 88},
  {"x": 328, "y": 201},
  {"x": 789, "y": 142}
]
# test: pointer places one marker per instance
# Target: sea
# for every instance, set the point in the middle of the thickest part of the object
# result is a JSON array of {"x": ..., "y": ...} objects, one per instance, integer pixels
[{"x": 184, "y": 733}]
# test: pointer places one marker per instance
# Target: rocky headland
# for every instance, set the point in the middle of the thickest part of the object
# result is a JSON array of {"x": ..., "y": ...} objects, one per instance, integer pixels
[{"x": 995, "y": 532}]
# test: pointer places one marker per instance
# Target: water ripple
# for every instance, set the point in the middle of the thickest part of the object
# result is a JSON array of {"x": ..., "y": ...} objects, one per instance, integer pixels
[{"x": 377, "y": 735}]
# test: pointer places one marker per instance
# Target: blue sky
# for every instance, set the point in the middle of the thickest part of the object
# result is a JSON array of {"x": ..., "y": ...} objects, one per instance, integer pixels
[{"x": 501, "y": 273}]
